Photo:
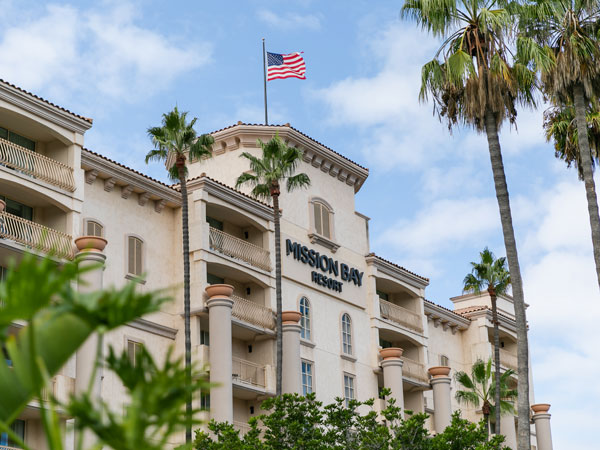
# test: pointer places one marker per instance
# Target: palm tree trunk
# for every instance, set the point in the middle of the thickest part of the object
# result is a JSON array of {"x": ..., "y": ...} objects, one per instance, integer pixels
[
  {"x": 486, "y": 419},
  {"x": 588, "y": 174},
  {"x": 186, "y": 298},
  {"x": 491, "y": 128},
  {"x": 496, "y": 359},
  {"x": 279, "y": 372}
]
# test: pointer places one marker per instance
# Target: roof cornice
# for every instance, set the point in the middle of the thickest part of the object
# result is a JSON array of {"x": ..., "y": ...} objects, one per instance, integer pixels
[
  {"x": 504, "y": 321},
  {"x": 135, "y": 181},
  {"x": 232, "y": 196},
  {"x": 397, "y": 271},
  {"x": 43, "y": 108},
  {"x": 445, "y": 317},
  {"x": 314, "y": 153}
]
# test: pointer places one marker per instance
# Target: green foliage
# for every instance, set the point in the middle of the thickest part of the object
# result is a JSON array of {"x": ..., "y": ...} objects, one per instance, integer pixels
[
  {"x": 302, "y": 423},
  {"x": 55, "y": 319},
  {"x": 178, "y": 138},
  {"x": 489, "y": 272},
  {"x": 278, "y": 163}
]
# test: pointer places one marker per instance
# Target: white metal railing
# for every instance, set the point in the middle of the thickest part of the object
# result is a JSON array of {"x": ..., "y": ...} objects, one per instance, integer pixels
[
  {"x": 400, "y": 315},
  {"x": 248, "y": 372},
  {"x": 414, "y": 369},
  {"x": 35, "y": 235},
  {"x": 49, "y": 391},
  {"x": 6, "y": 447},
  {"x": 251, "y": 312},
  {"x": 36, "y": 165},
  {"x": 242, "y": 427},
  {"x": 507, "y": 359},
  {"x": 238, "y": 248}
]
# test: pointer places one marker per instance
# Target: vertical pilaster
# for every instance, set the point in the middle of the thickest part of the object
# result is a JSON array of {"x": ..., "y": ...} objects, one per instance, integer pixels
[
  {"x": 219, "y": 322},
  {"x": 292, "y": 366},
  {"x": 541, "y": 419},
  {"x": 508, "y": 429},
  {"x": 392, "y": 374},
  {"x": 440, "y": 382}
]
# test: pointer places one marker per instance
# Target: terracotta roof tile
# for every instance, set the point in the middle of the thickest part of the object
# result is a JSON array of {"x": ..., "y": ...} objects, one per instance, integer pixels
[
  {"x": 87, "y": 119},
  {"x": 297, "y": 131},
  {"x": 399, "y": 267},
  {"x": 129, "y": 168},
  {"x": 471, "y": 309},
  {"x": 443, "y": 307}
]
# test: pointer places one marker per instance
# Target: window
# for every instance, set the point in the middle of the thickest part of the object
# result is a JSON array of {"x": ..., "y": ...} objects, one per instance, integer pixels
[
  {"x": 383, "y": 296},
  {"x": 444, "y": 361},
  {"x": 18, "y": 209},
  {"x": 133, "y": 350},
  {"x": 214, "y": 223},
  {"x": 204, "y": 337},
  {"x": 348, "y": 388},
  {"x": 213, "y": 279},
  {"x": 93, "y": 228},
  {"x": 205, "y": 401},
  {"x": 305, "y": 318},
  {"x": 18, "y": 427},
  {"x": 17, "y": 139},
  {"x": 307, "y": 378},
  {"x": 385, "y": 344},
  {"x": 3, "y": 273},
  {"x": 135, "y": 256},
  {"x": 322, "y": 219},
  {"x": 346, "y": 334}
]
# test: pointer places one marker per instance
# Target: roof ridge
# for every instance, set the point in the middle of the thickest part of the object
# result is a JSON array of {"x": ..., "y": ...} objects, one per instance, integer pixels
[
  {"x": 87, "y": 119},
  {"x": 398, "y": 266}
]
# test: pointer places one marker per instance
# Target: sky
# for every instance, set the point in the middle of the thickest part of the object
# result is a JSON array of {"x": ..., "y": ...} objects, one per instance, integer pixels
[{"x": 429, "y": 194}]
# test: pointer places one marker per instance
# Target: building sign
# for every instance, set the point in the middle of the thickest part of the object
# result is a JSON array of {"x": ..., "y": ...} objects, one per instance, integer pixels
[{"x": 331, "y": 268}]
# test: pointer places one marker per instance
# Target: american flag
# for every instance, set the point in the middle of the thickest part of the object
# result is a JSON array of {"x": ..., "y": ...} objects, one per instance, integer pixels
[{"x": 285, "y": 66}]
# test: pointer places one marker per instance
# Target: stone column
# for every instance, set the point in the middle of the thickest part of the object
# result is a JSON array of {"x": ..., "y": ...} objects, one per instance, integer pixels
[
  {"x": 392, "y": 374},
  {"x": 541, "y": 418},
  {"x": 508, "y": 429},
  {"x": 292, "y": 366},
  {"x": 90, "y": 254},
  {"x": 440, "y": 382},
  {"x": 219, "y": 323}
]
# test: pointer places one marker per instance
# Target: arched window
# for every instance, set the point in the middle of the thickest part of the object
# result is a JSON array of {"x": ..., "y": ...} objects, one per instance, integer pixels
[
  {"x": 93, "y": 228},
  {"x": 305, "y": 318},
  {"x": 134, "y": 256},
  {"x": 322, "y": 216},
  {"x": 346, "y": 334}
]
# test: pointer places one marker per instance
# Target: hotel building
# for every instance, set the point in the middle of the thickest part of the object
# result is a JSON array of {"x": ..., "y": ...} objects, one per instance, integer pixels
[{"x": 351, "y": 305}]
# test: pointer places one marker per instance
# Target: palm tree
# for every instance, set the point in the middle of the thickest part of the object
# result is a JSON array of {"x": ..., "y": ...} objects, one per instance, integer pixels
[
  {"x": 480, "y": 388},
  {"x": 278, "y": 163},
  {"x": 560, "y": 126},
  {"x": 491, "y": 274},
  {"x": 568, "y": 31},
  {"x": 474, "y": 80},
  {"x": 174, "y": 142}
]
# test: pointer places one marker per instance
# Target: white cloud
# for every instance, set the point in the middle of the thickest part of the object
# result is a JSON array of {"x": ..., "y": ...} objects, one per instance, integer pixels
[
  {"x": 290, "y": 20},
  {"x": 102, "y": 52}
]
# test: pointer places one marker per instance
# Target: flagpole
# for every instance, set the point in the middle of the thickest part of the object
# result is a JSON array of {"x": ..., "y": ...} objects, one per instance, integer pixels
[{"x": 265, "y": 80}]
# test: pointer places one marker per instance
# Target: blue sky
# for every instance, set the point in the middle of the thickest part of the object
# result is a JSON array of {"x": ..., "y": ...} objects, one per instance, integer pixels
[{"x": 429, "y": 194}]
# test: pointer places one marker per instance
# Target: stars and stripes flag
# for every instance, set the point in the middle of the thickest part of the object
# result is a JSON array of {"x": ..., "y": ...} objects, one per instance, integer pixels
[{"x": 290, "y": 65}]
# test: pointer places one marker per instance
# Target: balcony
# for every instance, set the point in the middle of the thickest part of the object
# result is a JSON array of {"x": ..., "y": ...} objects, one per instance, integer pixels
[
  {"x": 253, "y": 313},
  {"x": 507, "y": 359},
  {"x": 249, "y": 373},
  {"x": 5, "y": 447},
  {"x": 400, "y": 315},
  {"x": 36, "y": 236},
  {"x": 239, "y": 249},
  {"x": 36, "y": 165},
  {"x": 61, "y": 387},
  {"x": 415, "y": 370}
]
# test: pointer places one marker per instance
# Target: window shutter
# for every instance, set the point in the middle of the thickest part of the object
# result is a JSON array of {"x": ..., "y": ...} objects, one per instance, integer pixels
[
  {"x": 138, "y": 257},
  {"x": 325, "y": 219},
  {"x": 318, "y": 223},
  {"x": 94, "y": 228}
]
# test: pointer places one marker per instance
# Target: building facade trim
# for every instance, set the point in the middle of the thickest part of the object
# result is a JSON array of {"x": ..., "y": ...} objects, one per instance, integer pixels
[
  {"x": 154, "y": 328},
  {"x": 397, "y": 272}
]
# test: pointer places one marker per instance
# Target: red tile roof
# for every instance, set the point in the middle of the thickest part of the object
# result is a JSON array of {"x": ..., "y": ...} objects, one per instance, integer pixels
[
  {"x": 443, "y": 307},
  {"x": 287, "y": 125},
  {"x": 399, "y": 267},
  {"x": 87, "y": 119}
]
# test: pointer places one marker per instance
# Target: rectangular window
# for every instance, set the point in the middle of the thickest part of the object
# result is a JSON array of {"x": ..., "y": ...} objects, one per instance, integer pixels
[
  {"x": 348, "y": 388},
  {"x": 213, "y": 279},
  {"x": 215, "y": 223},
  {"x": 17, "y": 139},
  {"x": 383, "y": 295},
  {"x": 385, "y": 344},
  {"x": 17, "y": 427},
  {"x": 307, "y": 377},
  {"x": 444, "y": 361},
  {"x": 204, "y": 337},
  {"x": 135, "y": 256},
  {"x": 205, "y": 401},
  {"x": 93, "y": 228},
  {"x": 133, "y": 350},
  {"x": 18, "y": 209}
]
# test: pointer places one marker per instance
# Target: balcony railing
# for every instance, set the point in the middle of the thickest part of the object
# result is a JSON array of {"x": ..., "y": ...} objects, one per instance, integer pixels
[
  {"x": 509, "y": 360},
  {"x": 35, "y": 235},
  {"x": 238, "y": 248},
  {"x": 247, "y": 372},
  {"x": 252, "y": 313},
  {"x": 6, "y": 447},
  {"x": 400, "y": 315},
  {"x": 414, "y": 369},
  {"x": 61, "y": 387},
  {"x": 36, "y": 165}
]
